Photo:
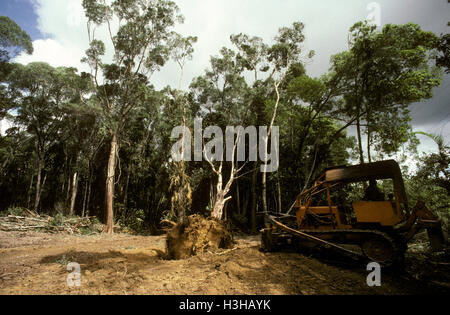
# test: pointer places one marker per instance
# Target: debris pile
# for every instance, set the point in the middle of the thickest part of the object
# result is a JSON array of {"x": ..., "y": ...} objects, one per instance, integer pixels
[
  {"x": 30, "y": 221},
  {"x": 196, "y": 235}
]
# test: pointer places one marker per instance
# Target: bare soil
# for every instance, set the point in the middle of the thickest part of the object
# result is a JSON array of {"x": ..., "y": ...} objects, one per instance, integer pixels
[{"x": 36, "y": 263}]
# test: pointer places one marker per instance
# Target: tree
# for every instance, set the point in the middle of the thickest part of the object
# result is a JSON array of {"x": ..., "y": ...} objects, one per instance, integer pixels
[
  {"x": 141, "y": 47},
  {"x": 431, "y": 181},
  {"x": 435, "y": 166},
  {"x": 383, "y": 73},
  {"x": 181, "y": 200},
  {"x": 443, "y": 47},
  {"x": 311, "y": 103},
  {"x": 252, "y": 55},
  {"x": 286, "y": 51},
  {"x": 40, "y": 94},
  {"x": 13, "y": 40},
  {"x": 221, "y": 91}
]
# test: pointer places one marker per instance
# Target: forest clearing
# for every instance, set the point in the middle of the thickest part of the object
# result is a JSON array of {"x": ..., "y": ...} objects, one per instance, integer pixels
[{"x": 35, "y": 263}]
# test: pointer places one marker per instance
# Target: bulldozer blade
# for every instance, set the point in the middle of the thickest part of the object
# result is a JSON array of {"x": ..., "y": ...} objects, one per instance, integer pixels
[
  {"x": 436, "y": 238},
  {"x": 428, "y": 220}
]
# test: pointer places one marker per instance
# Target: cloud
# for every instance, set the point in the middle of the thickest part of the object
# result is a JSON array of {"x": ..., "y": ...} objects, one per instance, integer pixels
[
  {"x": 55, "y": 54},
  {"x": 64, "y": 25},
  {"x": 5, "y": 124}
]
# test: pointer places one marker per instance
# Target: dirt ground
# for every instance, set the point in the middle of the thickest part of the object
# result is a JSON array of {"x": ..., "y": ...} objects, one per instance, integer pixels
[{"x": 36, "y": 263}]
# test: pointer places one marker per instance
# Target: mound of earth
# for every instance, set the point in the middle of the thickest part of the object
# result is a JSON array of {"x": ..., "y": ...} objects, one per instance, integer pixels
[{"x": 196, "y": 235}]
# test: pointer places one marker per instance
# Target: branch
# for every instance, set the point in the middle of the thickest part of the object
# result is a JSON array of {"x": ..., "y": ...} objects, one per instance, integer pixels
[{"x": 210, "y": 163}]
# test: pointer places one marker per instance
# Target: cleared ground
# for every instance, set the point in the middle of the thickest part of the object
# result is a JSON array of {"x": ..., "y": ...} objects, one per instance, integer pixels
[{"x": 36, "y": 263}]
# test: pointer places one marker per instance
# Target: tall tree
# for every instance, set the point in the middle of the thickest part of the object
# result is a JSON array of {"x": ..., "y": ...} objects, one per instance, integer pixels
[
  {"x": 141, "y": 46},
  {"x": 13, "y": 40},
  {"x": 286, "y": 51},
  {"x": 221, "y": 92},
  {"x": 41, "y": 93},
  {"x": 383, "y": 73},
  {"x": 180, "y": 185}
]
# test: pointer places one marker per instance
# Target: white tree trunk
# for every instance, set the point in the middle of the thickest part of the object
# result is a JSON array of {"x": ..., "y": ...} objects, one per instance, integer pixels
[
  {"x": 109, "y": 228},
  {"x": 74, "y": 192}
]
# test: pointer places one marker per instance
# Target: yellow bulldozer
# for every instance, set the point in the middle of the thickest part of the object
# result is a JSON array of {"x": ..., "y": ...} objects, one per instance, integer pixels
[{"x": 331, "y": 215}]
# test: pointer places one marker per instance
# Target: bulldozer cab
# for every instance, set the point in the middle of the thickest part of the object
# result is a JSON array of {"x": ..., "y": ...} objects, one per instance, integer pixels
[{"x": 327, "y": 197}]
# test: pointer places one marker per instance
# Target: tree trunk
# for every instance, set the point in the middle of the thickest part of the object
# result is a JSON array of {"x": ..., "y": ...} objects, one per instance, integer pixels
[
  {"x": 84, "y": 199},
  {"x": 222, "y": 192},
  {"x": 254, "y": 200},
  {"x": 109, "y": 228},
  {"x": 264, "y": 175},
  {"x": 238, "y": 198},
  {"x": 212, "y": 200},
  {"x": 64, "y": 174},
  {"x": 225, "y": 211},
  {"x": 38, "y": 184},
  {"x": 360, "y": 148},
  {"x": 42, "y": 186},
  {"x": 280, "y": 206},
  {"x": 69, "y": 184},
  {"x": 369, "y": 133},
  {"x": 369, "y": 156},
  {"x": 125, "y": 197},
  {"x": 74, "y": 193},
  {"x": 220, "y": 199},
  {"x": 68, "y": 181},
  {"x": 264, "y": 191},
  {"x": 246, "y": 200},
  {"x": 29, "y": 191},
  {"x": 89, "y": 193},
  {"x": 217, "y": 212}
]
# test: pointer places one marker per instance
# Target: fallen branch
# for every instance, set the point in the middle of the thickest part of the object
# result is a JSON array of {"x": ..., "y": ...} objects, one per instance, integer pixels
[{"x": 224, "y": 252}]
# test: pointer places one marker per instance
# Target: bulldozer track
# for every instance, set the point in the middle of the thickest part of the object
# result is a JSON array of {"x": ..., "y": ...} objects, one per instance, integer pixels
[{"x": 309, "y": 235}]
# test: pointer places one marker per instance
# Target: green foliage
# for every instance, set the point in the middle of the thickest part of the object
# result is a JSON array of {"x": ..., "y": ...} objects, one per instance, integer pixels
[
  {"x": 431, "y": 182},
  {"x": 57, "y": 220},
  {"x": 13, "y": 39},
  {"x": 382, "y": 73},
  {"x": 135, "y": 220},
  {"x": 141, "y": 46},
  {"x": 16, "y": 211},
  {"x": 443, "y": 47}
]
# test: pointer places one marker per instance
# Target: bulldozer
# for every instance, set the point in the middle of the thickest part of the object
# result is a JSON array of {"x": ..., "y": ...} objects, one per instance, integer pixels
[{"x": 332, "y": 215}]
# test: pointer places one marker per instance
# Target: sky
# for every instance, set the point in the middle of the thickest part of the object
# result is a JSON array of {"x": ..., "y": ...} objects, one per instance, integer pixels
[{"x": 58, "y": 31}]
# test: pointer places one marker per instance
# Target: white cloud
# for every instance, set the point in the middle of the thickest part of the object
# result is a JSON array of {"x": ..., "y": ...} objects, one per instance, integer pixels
[
  {"x": 5, "y": 124},
  {"x": 64, "y": 25},
  {"x": 55, "y": 54}
]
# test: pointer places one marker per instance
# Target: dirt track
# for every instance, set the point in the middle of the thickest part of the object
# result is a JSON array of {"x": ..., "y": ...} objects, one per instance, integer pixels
[{"x": 35, "y": 263}]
